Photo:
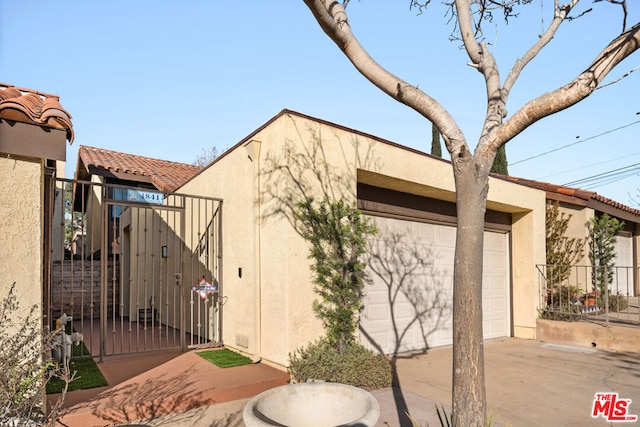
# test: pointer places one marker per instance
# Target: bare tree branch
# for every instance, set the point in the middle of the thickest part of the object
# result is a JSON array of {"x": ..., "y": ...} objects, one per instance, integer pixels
[
  {"x": 625, "y": 12},
  {"x": 573, "y": 92},
  {"x": 560, "y": 15},
  {"x": 467, "y": 32},
  {"x": 471, "y": 172},
  {"x": 333, "y": 20}
]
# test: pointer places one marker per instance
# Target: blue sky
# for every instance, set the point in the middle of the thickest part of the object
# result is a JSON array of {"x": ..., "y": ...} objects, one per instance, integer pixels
[{"x": 169, "y": 79}]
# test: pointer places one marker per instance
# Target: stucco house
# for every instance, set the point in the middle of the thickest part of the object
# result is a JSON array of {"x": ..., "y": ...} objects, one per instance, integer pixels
[
  {"x": 104, "y": 167},
  {"x": 34, "y": 130},
  {"x": 259, "y": 263},
  {"x": 410, "y": 197},
  {"x": 582, "y": 206}
]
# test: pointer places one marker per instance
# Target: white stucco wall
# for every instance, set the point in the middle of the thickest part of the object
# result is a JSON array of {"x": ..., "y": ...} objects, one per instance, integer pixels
[{"x": 267, "y": 311}]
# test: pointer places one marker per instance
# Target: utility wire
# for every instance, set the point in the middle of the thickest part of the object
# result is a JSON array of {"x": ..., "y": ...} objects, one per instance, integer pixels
[
  {"x": 589, "y": 166},
  {"x": 606, "y": 177},
  {"x": 574, "y": 143}
]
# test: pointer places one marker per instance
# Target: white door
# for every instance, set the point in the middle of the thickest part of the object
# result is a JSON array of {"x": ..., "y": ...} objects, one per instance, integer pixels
[{"x": 408, "y": 295}]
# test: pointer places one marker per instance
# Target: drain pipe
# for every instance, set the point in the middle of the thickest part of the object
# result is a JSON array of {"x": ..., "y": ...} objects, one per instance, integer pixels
[{"x": 253, "y": 149}]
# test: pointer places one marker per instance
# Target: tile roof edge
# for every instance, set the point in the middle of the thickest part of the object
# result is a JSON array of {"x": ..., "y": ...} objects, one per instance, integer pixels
[
  {"x": 159, "y": 180},
  {"x": 138, "y": 156},
  {"x": 39, "y": 108},
  {"x": 579, "y": 193}
]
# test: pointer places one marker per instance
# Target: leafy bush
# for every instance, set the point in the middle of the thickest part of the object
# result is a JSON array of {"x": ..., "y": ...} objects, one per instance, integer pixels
[
  {"x": 357, "y": 366},
  {"x": 337, "y": 235},
  {"x": 563, "y": 297},
  {"x": 617, "y": 302},
  {"x": 602, "y": 251},
  {"x": 25, "y": 365},
  {"x": 569, "y": 314},
  {"x": 562, "y": 251}
]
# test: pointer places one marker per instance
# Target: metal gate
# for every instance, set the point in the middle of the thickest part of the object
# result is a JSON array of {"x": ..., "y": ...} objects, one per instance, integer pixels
[{"x": 136, "y": 269}]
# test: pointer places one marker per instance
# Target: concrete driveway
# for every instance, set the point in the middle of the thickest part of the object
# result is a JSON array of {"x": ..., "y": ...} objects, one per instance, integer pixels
[{"x": 530, "y": 383}]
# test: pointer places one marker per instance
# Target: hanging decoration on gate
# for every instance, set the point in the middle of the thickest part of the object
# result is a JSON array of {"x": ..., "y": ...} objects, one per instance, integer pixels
[{"x": 204, "y": 288}]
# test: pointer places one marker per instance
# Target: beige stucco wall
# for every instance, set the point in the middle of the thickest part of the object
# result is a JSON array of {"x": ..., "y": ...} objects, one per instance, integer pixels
[
  {"x": 233, "y": 180},
  {"x": 149, "y": 278},
  {"x": 21, "y": 229},
  {"x": 267, "y": 311},
  {"x": 93, "y": 216}
]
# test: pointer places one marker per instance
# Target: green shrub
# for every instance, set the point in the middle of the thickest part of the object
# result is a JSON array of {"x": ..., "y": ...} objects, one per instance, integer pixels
[
  {"x": 357, "y": 366},
  {"x": 25, "y": 365},
  {"x": 562, "y": 303},
  {"x": 617, "y": 302},
  {"x": 563, "y": 297},
  {"x": 569, "y": 314}
]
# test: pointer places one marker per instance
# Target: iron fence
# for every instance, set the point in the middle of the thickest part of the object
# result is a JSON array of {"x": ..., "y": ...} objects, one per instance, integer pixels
[
  {"x": 599, "y": 293},
  {"x": 134, "y": 268}
]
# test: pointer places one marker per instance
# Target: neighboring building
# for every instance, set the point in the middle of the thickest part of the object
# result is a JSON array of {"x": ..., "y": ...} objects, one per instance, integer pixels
[
  {"x": 100, "y": 166},
  {"x": 410, "y": 195},
  {"x": 34, "y": 130},
  {"x": 144, "y": 247},
  {"x": 584, "y": 205}
]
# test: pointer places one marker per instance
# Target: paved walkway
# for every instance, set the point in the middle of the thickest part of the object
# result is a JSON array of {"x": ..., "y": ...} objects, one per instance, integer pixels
[{"x": 529, "y": 383}]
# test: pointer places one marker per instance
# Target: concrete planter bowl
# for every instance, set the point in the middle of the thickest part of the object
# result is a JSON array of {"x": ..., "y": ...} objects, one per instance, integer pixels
[{"x": 312, "y": 404}]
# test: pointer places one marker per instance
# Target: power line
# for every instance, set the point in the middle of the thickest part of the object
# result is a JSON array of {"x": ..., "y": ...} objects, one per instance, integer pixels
[
  {"x": 606, "y": 177},
  {"x": 589, "y": 166},
  {"x": 575, "y": 143}
]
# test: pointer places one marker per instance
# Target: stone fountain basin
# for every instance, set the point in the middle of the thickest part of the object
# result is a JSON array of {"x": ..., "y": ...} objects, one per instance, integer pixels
[{"x": 312, "y": 404}]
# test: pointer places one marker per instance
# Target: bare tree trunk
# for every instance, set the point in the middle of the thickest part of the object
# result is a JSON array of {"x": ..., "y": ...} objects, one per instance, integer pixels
[{"x": 469, "y": 395}]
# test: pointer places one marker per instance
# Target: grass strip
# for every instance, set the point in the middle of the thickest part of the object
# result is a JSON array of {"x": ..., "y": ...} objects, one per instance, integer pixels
[
  {"x": 224, "y": 358},
  {"x": 88, "y": 375}
]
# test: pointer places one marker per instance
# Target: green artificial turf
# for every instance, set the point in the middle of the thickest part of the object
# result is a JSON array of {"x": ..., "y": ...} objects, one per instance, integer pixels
[
  {"x": 87, "y": 375},
  {"x": 224, "y": 358}
]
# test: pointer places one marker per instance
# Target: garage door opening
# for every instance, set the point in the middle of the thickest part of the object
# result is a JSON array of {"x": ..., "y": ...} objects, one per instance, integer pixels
[{"x": 408, "y": 295}]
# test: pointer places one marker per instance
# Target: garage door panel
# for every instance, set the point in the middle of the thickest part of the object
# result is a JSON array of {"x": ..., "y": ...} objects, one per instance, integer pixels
[
  {"x": 623, "y": 260},
  {"x": 377, "y": 312},
  {"x": 420, "y": 257}
]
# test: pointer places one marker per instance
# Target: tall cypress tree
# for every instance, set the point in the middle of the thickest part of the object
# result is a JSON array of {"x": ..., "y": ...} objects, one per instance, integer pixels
[
  {"x": 436, "y": 148},
  {"x": 500, "y": 162}
]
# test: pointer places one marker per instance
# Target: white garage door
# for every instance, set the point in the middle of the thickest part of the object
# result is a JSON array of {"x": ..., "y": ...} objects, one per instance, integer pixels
[
  {"x": 408, "y": 296},
  {"x": 623, "y": 261}
]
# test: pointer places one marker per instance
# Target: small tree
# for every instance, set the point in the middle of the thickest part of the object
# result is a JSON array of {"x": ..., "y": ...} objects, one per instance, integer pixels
[
  {"x": 206, "y": 156},
  {"x": 73, "y": 221},
  {"x": 337, "y": 234},
  {"x": 25, "y": 366},
  {"x": 562, "y": 251},
  {"x": 500, "y": 162},
  {"x": 471, "y": 164},
  {"x": 602, "y": 233}
]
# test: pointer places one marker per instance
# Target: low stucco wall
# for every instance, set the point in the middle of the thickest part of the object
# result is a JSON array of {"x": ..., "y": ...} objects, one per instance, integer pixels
[
  {"x": 21, "y": 230},
  {"x": 585, "y": 334}
]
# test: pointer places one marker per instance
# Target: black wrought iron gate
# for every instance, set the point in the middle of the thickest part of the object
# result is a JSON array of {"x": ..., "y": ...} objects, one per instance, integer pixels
[{"x": 136, "y": 269}]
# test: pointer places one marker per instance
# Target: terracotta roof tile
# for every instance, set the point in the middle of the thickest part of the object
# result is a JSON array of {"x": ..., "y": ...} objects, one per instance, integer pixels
[
  {"x": 165, "y": 175},
  {"x": 573, "y": 192},
  {"x": 32, "y": 107}
]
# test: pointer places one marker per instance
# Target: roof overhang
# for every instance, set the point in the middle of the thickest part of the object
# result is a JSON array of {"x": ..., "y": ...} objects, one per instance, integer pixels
[
  {"x": 125, "y": 176},
  {"x": 30, "y": 140}
]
